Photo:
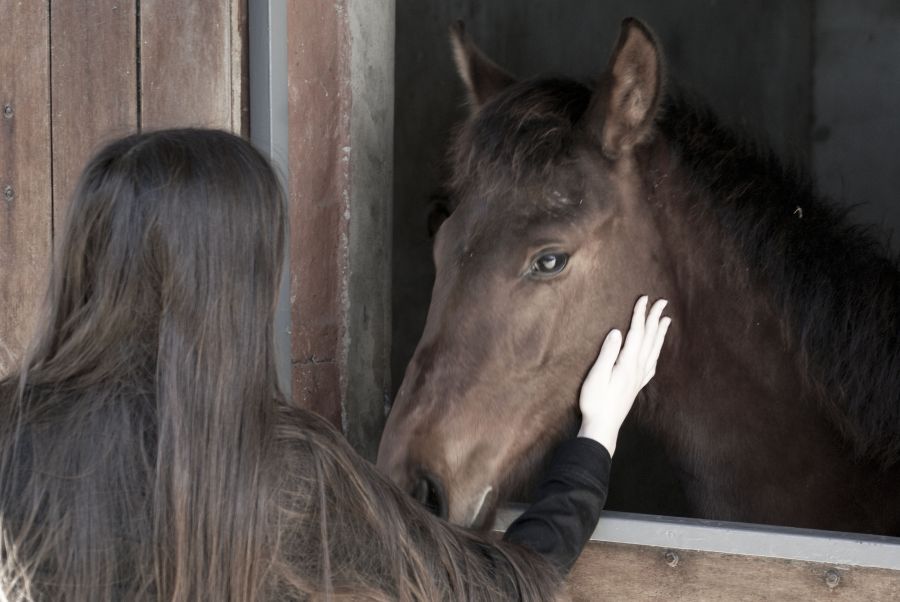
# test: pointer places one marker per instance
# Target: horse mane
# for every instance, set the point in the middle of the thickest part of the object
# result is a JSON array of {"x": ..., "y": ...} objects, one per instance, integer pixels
[{"x": 834, "y": 282}]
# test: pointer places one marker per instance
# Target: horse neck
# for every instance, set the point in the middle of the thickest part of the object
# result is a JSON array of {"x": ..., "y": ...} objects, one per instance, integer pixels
[
  {"x": 776, "y": 281},
  {"x": 783, "y": 356},
  {"x": 729, "y": 340}
]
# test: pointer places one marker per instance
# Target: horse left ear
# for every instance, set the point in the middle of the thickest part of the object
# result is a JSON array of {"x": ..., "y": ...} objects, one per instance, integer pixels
[
  {"x": 482, "y": 77},
  {"x": 625, "y": 103}
]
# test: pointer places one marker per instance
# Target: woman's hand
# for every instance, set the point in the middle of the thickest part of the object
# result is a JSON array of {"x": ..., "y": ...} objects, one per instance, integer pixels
[{"x": 620, "y": 372}]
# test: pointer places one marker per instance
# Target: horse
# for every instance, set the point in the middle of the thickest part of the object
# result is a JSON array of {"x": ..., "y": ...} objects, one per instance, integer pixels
[{"x": 778, "y": 388}]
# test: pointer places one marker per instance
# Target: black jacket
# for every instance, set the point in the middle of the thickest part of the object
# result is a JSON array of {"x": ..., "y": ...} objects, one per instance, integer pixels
[{"x": 566, "y": 505}]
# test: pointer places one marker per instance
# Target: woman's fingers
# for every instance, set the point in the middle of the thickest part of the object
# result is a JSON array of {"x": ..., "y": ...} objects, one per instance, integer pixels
[
  {"x": 609, "y": 351},
  {"x": 660, "y": 338},
  {"x": 636, "y": 330},
  {"x": 650, "y": 329},
  {"x": 658, "y": 341}
]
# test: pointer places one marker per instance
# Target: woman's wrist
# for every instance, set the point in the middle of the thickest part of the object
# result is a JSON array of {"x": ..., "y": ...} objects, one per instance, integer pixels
[{"x": 602, "y": 436}]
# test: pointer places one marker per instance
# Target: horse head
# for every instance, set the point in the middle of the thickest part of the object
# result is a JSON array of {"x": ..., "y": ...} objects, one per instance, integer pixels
[{"x": 549, "y": 243}]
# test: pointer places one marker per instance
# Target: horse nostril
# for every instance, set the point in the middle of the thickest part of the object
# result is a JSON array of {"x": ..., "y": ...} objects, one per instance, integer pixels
[{"x": 428, "y": 491}]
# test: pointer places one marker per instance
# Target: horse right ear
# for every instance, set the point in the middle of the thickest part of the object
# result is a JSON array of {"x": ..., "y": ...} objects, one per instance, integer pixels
[
  {"x": 626, "y": 102},
  {"x": 482, "y": 76}
]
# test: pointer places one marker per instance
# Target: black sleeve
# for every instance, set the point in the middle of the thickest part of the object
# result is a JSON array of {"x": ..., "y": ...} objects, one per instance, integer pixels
[{"x": 567, "y": 503}]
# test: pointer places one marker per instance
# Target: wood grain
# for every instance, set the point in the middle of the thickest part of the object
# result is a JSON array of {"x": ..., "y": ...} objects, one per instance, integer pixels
[
  {"x": 608, "y": 571},
  {"x": 25, "y": 188},
  {"x": 319, "y": 121},
  {"x": 93, "y": 84},
  {"x": 240, "y": 67},
  {"x": 188, "y": 52}
]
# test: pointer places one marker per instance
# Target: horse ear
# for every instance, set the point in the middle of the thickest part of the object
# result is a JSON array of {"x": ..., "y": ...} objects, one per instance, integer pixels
[
  {"x": 482, "y": 76},
  {"x": 625, "y": 105}
]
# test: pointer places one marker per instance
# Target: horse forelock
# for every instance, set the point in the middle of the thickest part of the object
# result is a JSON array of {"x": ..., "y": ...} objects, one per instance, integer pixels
[
  {"x": 520, "y": 136},
  {"x": 835, "y": 283}
]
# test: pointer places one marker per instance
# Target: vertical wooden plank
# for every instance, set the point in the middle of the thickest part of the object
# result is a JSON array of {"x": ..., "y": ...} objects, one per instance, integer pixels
[
  {"x": 93, "y": 85},
  {"x": 319, "y": 121},
  {"x": 371, "y": 27},
  {"x": 25, "y": 211},
  {"x": 340, "y": 104},
  {"x": 240, "y": 67},
  {"x": 187, "y": 55}
]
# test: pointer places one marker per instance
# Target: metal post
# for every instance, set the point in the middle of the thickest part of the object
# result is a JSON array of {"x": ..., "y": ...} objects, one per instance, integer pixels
[{"x": 267, "y": 23}]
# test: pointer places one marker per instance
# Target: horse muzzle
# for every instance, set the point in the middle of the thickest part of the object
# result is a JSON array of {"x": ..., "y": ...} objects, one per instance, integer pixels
[{"x": 462, "y": 501}]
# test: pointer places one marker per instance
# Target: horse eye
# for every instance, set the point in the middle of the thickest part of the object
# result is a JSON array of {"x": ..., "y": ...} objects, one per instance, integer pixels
[{"x": 549, "y": 264}]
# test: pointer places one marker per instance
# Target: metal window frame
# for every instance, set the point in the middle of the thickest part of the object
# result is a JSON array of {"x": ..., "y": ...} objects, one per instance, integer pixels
[
  {"x": 267, "y": 34},
  {"x": 745, "y": 539}
]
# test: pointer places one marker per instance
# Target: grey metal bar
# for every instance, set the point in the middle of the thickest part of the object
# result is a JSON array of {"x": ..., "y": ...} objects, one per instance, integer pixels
[
  {"x": 808, "y": 545},
  {"x": 267, "y": 24}
]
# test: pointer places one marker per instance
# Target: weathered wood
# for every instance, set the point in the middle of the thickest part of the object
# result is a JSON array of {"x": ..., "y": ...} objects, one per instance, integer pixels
[
  {"x": 340, "y": 104},
  {"x": 319, "y": 121},
  {"x": 240, "y": 67},
  {"x": 94, "y": 86},
  {"x": 192, "y": 72},
  {"x": 371, "y": 26},
  {"x": 187, "y": 59},
  {"x": 608, "y": 571},
  {"x": 25, "y": 208}
]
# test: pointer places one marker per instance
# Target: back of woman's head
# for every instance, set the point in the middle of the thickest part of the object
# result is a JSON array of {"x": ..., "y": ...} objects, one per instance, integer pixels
[
  {"x": 132, "y": 436},
  {"x": 177, "y": 230}
]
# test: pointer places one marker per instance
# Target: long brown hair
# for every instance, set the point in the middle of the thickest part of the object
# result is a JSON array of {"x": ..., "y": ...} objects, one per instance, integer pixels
[{"x": 145, "y": 450}]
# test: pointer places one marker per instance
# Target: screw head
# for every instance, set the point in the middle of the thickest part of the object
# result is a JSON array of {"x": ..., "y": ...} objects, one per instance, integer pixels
[
  {"x": 8, "y": 193},
  {"x": 832, "y": 578},
  {"x": 672, "y": 558},
  {"x": 7, "y": 111}
]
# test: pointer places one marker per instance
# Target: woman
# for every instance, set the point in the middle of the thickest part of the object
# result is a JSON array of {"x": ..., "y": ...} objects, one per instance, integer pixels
[{"x": 146, "y": 453}]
